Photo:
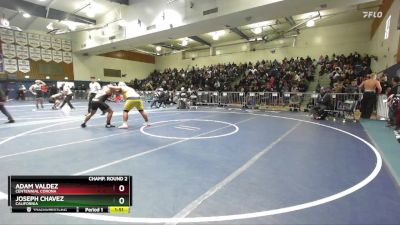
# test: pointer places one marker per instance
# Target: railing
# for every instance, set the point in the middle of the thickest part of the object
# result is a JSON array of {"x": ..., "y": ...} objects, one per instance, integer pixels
[
  {"x": 262, "y": 99},
  {"x": 146, "y": 95},
  {"x": 208, "y": 98},
  {"x": 342, "y": 101},
  {"x": 80, "y": 94},
  {"x": 254, "y": 100},
  {"x": 232, "y": 99}
]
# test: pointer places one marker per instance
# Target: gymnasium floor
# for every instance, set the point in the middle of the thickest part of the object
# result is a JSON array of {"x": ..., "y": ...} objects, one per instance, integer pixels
[{"x": 218, "y": 166}]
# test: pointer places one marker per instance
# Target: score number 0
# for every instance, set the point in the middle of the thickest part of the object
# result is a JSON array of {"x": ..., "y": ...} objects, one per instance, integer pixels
[{"x": 121, "y": 200}]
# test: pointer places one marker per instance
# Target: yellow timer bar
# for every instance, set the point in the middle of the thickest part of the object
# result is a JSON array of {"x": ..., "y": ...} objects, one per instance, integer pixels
[{"x": 118, "y": 209}]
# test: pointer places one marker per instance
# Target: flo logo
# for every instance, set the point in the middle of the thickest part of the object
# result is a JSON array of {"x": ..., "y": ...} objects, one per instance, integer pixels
[{"x": 374, "y": 15}]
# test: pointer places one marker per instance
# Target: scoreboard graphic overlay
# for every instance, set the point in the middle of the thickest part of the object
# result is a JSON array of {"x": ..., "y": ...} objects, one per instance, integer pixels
[{"x": 70, "y": 194}]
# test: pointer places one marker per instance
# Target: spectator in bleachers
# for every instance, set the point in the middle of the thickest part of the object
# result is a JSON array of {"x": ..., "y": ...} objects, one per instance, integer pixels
[
  {"x": 324, "y": 103},
  {"x": 384, "y": 82},
  {"x": 393, "y": 103},
  {"x": 352, "y": 88},
  {"x": 345, "y": 69},
  {"x": 21, "y": 92},
  {"x": 53, "y": 90}
]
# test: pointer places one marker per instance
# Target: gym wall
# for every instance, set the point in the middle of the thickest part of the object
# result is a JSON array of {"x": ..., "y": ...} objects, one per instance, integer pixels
[
  {"x": 339, "y": 39},
  {"x": 387, "y": 50},
  {"x": 87, "y": 66}
]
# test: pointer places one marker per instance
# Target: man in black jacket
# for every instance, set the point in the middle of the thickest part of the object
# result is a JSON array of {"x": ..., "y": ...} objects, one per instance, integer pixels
[
  {"x": 393, "y": 102},
  {"x": 3, "y": 109},
  {"x": 323, "y": 104}
]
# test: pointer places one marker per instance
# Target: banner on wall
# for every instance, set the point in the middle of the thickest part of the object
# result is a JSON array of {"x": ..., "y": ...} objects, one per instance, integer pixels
[
  {"x": 34, "y": 40},
  {"x": 46, "y": 55},
  {"x": 66, "y": 45},
  {"x": 10, "y": 65},
  {"x": 24, "y": 65},
  {"x": 57, "y": 56},
  {"x": 22, "y": 52},
  {"x": 8, "y": 50},
  {"x": 67, "y": 57},
  {"x": 7, "y": 36},
  {"x": 45, "y": 41},
  {"x": 35, "y": 54},
  {"x": 56, "y": 44},
  {"x": 21, "y": 38}
]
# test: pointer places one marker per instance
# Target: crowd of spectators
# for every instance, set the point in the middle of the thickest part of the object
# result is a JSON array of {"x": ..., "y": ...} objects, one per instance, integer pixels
[
  {"x": 210, "y": 78},
  {"x": 287, "y": 75},
  {"x": 345, "y": 72}
]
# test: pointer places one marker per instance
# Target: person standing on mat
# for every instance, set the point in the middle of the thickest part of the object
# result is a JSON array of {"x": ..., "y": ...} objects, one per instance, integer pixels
[
  {"x": 36, "y": 89},
  {"x": 67, "y": 92},
  {"x": 132, "y": 100},
  {"x": 94, "y": 87},
  {"x": 371, "y": 87},
  {"x": 99, "y": 101},
  {"x": 3, "y": 100}
]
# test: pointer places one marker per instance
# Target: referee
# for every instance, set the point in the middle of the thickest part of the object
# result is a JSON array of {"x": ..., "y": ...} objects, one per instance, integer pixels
[
  {"x": 94, "y": 88},
  {"x": 67, "y": 92}
]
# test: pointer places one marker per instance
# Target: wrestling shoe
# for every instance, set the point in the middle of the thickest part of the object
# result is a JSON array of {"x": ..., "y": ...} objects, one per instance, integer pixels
[
  {"x": 83, "y": 125},
  {"x": 109, "y": 126},
  {"x": 123, "y": 126},
  {"x": 11, "y": 121},
  {"x": 146, "y": 124}
]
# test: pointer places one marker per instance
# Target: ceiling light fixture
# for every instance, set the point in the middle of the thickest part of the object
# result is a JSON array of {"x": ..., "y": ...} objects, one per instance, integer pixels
[
  {"x": 184, "y": 42},
  {"x": 26, "y": 15},
  {"x": 221, "y": 32},
  {"x": 257, "y": 30},
  {"x": 310, "y": 23},
  {"x": 72, "y": 27},
  {"x": 4, "y": 22},
  {"x": 215, "y": 37},
  {"x": 50, "y": 26},
  {"x": 158, "y": 48}
]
